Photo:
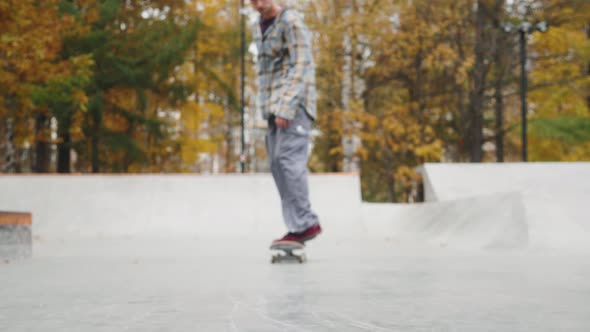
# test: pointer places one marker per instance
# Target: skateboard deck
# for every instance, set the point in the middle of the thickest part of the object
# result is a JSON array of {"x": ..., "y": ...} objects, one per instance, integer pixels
[{"x": 288, "y": 251}]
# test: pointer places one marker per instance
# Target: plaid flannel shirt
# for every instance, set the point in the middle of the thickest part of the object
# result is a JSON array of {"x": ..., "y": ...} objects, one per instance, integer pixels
[{"x": 286, "y": 70}]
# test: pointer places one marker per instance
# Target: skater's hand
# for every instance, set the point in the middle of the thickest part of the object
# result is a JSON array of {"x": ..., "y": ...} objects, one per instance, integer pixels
[{"x": 282, "y": 122}]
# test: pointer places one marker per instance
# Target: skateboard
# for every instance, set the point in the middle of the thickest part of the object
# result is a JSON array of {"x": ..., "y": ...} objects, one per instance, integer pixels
[{"x": 288, "y": 251}]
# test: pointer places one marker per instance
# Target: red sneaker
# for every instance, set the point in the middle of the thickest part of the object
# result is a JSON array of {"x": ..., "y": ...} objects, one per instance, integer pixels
[
  {"x": 288, "y": 237},
  {"x": 309, "y": 233},
  {"x": 301, "y": 237}
]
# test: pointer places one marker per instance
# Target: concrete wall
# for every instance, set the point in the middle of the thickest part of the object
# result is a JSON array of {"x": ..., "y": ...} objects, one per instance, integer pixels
[
  {"x": 191, "y": 205},
  {"x": 474, "y": 205}
]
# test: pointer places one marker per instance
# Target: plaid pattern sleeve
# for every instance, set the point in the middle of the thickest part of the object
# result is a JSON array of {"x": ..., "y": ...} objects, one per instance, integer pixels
[
  {"x": 299, "y": 66},
  {"x": 286, "y": 72}
]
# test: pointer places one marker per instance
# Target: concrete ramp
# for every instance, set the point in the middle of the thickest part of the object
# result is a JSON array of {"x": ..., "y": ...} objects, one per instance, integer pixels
[
  {"x": 173, "y": 205},
  {"x": 555, "y": 196},
  {"x": 493, "y": 221}
]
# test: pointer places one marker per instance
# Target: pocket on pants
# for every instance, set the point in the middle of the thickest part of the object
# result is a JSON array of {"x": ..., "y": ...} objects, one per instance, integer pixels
[{"x": 301, "y": 124}]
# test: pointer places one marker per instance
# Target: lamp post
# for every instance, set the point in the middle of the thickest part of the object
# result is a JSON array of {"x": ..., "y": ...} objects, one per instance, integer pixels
[{"x": 524, "y": 29}]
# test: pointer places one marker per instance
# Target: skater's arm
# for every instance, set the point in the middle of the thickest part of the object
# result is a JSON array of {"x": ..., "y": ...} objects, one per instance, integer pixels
[{"x": 299, "y": 61}]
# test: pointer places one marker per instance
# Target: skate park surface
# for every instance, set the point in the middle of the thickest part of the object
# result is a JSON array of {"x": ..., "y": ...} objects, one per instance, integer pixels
[{"x": 493, "y": 248}]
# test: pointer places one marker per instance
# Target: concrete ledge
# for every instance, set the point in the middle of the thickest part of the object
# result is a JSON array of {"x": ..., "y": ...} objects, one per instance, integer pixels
[
  {"x": 15, "y": 235},
  {"x": 15, "y": 218}
]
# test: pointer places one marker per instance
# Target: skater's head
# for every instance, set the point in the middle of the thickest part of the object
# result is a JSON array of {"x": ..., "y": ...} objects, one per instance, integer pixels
[{"x": 267, "y": 8}]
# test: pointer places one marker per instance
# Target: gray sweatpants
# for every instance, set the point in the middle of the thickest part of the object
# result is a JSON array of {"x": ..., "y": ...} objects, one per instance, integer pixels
[{"x": 287, "y": 151}]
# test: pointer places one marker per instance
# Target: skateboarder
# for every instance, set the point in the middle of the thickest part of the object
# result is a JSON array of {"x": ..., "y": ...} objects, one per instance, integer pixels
[{"x": 287, "y": 99}]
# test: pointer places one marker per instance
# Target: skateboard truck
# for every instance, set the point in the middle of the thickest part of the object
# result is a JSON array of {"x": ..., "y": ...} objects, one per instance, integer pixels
[{"x": 288, "y": 251}]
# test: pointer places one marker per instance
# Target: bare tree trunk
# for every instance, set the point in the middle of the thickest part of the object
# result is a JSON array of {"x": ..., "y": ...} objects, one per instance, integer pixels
[
  {"x": 3, "y": 145},
  {"x": 42, "y": 145},
  {"x": 228, "y": 166},
  {"x": 391, "y": 187},
  {"x": 588, "y": 69},
  {"x": 94, "y": 140},
  {"x": 499, "y": 115},
  {"x": 63, "y": 147},
  {"x": 500, "y": 65},
  {"x": 8, "y": 150},
  {"x": 474, "y": 139}
]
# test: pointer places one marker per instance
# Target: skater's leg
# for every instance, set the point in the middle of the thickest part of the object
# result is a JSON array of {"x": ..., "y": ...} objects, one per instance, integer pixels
[
  {"x": 271, "y": 146},
  {"x": 290, "y": 163}
]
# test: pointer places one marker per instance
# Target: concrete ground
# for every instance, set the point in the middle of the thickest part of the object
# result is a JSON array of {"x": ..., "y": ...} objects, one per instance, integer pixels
[{"x": 228, "y": 284}]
